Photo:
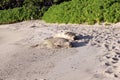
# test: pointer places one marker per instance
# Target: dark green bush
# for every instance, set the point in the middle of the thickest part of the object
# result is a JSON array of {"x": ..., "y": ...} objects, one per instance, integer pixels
[
  {"x": 19, "y": 10},
  {"x": 82, "y": 11},
  {"x": 19, "y": 14},
  {"x": 8, "y": 4}
]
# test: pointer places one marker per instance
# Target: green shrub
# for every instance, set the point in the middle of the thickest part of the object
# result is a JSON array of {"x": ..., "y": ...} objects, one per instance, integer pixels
[
  {"x": 19, "y": 14},
  {"x": 19, "y": 10},
  {"x": 7, "y": 4},
  {"x": 82, "y": 11}
]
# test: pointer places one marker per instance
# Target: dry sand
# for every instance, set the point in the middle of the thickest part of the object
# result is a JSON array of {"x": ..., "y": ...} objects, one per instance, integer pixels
[{"x": 95, "y": 55}]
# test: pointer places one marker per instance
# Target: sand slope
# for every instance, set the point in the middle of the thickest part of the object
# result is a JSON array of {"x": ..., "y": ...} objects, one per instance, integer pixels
[{"x": 95, "y": 55}]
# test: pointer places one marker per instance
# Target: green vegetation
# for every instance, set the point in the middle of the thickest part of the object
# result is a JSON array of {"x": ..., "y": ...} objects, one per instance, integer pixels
[
  {"x": 7, "y": 4},
  {"x": 60, "y": 11},
  {"x": 19, "y": 14},
  {"x": 19, "y": 10},
  {"x": 84, "y": 11}
]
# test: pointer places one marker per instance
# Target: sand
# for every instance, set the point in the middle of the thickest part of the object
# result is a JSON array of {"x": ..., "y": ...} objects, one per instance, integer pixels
[{"x": 95, "y": 55}]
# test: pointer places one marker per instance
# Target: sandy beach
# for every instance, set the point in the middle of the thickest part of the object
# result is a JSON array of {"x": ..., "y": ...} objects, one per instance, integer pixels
[{"x": 95, "y": 55}]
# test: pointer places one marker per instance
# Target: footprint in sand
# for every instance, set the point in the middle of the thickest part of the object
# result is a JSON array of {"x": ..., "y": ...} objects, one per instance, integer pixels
[{"x": 112, "y": 62}]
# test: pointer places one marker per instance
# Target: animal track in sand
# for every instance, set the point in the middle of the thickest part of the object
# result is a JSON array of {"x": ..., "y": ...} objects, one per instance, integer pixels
[
  {"x": 112, "y": 62},
  {"x": 109, "y": 41}
]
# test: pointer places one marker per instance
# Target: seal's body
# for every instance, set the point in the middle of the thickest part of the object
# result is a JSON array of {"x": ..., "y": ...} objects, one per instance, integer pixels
[
  {"x": 56, "y": 43},
  {"x": 67, "y": 35}
]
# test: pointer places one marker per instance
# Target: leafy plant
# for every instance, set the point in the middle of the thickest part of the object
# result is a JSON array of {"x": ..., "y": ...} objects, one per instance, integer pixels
[
  {"x": 19, "y": 10},
  {"x": 19, "y": 14},
  {"x": 84, "y": 11},
  {"x": 7, "y": 4}
]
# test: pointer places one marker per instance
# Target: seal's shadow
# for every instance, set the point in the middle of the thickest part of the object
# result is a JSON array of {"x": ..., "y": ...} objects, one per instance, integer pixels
[
  {"x": 79, "y": 37},
  {"x": 83, "y": 40}
]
